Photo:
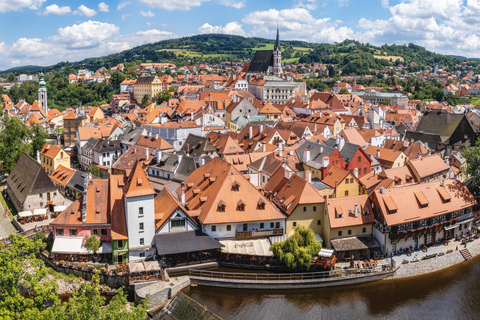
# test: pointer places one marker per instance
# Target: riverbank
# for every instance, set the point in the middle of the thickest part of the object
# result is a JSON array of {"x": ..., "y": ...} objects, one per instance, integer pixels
[{"x": 446, "y": 256}]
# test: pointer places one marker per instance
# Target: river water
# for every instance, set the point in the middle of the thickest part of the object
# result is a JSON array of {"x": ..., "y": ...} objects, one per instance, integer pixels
[{"x": 453, "y": 293}]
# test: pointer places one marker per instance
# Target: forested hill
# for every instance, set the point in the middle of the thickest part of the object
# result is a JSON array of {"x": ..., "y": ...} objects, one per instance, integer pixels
[{"x": 350, "y": 56}]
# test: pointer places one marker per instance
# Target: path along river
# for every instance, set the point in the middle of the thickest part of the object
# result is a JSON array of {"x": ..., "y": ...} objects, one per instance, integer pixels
[{"x": 452, "y": 293}]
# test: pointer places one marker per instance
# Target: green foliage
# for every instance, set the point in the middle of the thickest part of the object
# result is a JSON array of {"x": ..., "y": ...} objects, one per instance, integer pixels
[
  {"x": 163, "y": 96},
  {"x": 296, "y": 252},
  {"x": 145, "y": 101},
  {"x": 472, "y": 155},
  {"x": 95, "y": 171},
  {"x": 92, "y": 243},
  {"x": 344, "y": 91},
  {"x": 39, "y": 138},
  {"x": 24, "y": 296},
  {"x": 13, "y": 141},
  {"x": 115, "y": 79}
]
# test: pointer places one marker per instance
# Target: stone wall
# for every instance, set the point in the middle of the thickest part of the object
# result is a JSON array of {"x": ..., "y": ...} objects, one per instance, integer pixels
[{"x": 160, "y": 292}]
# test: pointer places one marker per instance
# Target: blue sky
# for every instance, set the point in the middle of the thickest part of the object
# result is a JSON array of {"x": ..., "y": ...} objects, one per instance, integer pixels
[{"x": 44, "y": 32}]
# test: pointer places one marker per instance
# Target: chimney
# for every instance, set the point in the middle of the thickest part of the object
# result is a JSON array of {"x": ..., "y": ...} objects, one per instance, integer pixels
[
  {"x": 280, "y": 148},
  {"x": 325, "y": 162},
  {"x": 288, "y": 174},
  {"x": 426, "y": 145},
  {"x": 315, "y": 128},
  {"x": 341, "y": 145},
  {"x": 156, "y": 135},
  {"x": 405, "y": 143},
  {"x": 264, "y": 148},
  {"x": 382, "y": 190},
  {"x": 337, "y": 142},
  {"x": 146, "y": 154},
  {"x": 308, "y": 176},
  {"x": 159, "y": 156},
  {"x": 148, "y": 134},
  {"x": 261, "y": 128},
  {"x": 201, "y": 161},
  {"x": 192, "y": 115},
  {"x": 378, "y": 154},
  {"x": 291, "y": 152},
  {"x": 38, "y": 156},
  {"x": 356, "y": 210},
  {"x": 355, "y": 172},
  {"x": 183, "y": 194},
  {"x": 306, "y": 155},
  {"x": 250, "y": 132}
]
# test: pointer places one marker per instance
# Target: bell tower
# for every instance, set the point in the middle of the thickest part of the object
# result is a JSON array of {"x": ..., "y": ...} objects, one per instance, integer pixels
[
  {"x": 42, "y": 95},
  {"x": 277, "y": 57}
]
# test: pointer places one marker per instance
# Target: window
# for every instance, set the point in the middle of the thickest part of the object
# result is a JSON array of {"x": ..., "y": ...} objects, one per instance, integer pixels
[
  {"x": 460, "y": 227},
  {"x": 304, "y": 209},
  {"x": 142, "y": 241},
  {"x": 262, "y": 225},
  {"x": 214, "y": 228},
  {"x": 346, "y": 193},
  {"x": 73, "y": 232},
  {"x": 314, "y": 208},
  {"x": 294, "y": 224},
  {"x": 119, "y": 243},
  {"x": 95, "y": 232},
  {"x": 103, "y": 232},
  {"x": 365, "y": 170},
  {"x": 349, "y": 231},
  {"x": 140, "y": 226},
  {"x": 142, "y": 254},
  {"x": 59, "y": 231},
  {"x": 319, "y": 222},
  {"x": 277, "y": 225},
  {"x": 272, "y": 225},
  {"x": 140, "y": 211},
  {"x": 229, "y": 227},
  {"x": 245, "y": 226},
  {"x": 339, "y": 233},
  {"x": 364, "y": 230},
  {"x": 351, "y": 180},
  {"x": 359, "y": 159},
  {"x": 347, "y": 181},
  {"x": 177, "y": 223}
]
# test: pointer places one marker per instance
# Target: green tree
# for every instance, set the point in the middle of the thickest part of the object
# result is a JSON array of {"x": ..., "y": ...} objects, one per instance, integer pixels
[
  {"x": 296, "y": 252},
  {"x": 145, "y": 101},
  {"x": 94, "y": 170},
  {"x": 344, "y": 91},
  {"x": 92, "y": 243},
  {"x": 472, "y": 157},
  {"x": 39, "y": 138},
  {"x": 116, "y": 78},
  {"x": 13, "y": 141},
  {"x": 163, "y": 96}
]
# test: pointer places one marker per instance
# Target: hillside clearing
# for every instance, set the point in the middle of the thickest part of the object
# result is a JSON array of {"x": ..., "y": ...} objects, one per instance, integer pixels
[{"x": 394, "y": 58}]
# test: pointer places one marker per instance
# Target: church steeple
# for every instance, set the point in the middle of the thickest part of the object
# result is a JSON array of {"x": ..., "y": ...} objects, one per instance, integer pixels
[
  {"x": 42, "y": 95},
  {"x": 277, "y": 56}
]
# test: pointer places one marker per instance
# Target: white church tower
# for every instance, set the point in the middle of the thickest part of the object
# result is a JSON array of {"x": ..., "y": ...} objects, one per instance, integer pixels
[
  {"x": 277, "y": 57},
  {"x": 42, "y": 95}
]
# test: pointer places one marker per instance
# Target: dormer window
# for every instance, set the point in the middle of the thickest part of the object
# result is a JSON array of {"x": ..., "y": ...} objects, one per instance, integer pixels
[
  {"x": 235, "y": 186},
  {"x": 241, "y": 206},
  {"x": 221, "y": 206},
  {"x": 261, "y": 205}
]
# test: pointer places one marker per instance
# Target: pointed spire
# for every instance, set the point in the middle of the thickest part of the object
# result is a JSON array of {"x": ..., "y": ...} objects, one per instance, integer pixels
[{"x": 277, "y": 42}]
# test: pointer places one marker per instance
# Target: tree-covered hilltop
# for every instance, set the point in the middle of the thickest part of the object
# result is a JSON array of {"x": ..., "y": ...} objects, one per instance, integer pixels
[{"x": 353, "y": 57}]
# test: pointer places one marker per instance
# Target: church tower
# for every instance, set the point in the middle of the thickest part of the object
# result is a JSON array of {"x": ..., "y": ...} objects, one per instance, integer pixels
[
  {"x": 277, "y": 57},
  {"x": 42, "y": 95}
]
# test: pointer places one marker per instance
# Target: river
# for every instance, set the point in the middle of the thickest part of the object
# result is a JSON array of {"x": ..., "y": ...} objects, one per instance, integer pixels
[{"x": 453, "y": 293}]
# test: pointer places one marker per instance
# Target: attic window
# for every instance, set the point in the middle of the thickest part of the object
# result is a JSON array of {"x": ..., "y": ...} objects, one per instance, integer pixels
[
  {"x": 444, "y": 195},
  {"x": 261, "y": 205},
  {"x": 190, "y": 184},
  {"x": 221, "y": 206},
  {"x": 235, "y": 186},
  {"x": 139, "y": 181},
  {"x": 241, "y": 206},
  {"x": 338, "y": 212},
  {"x": 421, "y": 199},
  {"x": 203, "y": 199},
  {"x": 196, "y": 191},
  {"x": 206, "y": 175},
  {"x": 97, "y": 190}
]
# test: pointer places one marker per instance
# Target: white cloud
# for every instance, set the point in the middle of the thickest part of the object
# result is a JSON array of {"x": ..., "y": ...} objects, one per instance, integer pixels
[
  {"x": 125, "y": 16},
  {"x": 103, "y": 7},
  {"x": 307, "y": 4},
  {"x": 87, "y": 34},
  {"x": 85, "y": 11},
  {"x": 147, "y": 14},
  {"x": 55, "y": 9},
  {"x": 122, "y": 5},
  {"x": 230, "y": 28},
  {"x": 15, "y": 5},
  {"x": 385, "y": 4},
  {"x": 343, "y": 3},
  {"x": 233, "y": 3},
  {"x": 174, "y": 4}
]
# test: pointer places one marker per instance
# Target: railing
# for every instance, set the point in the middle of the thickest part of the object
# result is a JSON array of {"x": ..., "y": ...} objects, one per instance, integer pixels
[
  {"x": 258, "y": 233},
  {"x": 139, "y": 279},
  {"x": 348, "y": 273}
]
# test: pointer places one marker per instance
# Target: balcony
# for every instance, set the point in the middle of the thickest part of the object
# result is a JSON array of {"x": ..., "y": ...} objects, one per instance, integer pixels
[{"x": 252, "y": 234}]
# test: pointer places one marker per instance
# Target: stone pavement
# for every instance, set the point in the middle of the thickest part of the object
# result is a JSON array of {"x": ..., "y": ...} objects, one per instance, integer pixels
[{"x": 6, "y": 226}]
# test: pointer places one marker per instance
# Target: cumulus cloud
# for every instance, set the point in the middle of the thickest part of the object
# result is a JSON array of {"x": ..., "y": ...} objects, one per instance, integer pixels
[
  {"x": 85, "y": 11},
  {"x": 15, "y": 5},
  {"x": 233, "y": 3},
  {"x": 174, "y": 4},
  {"x": 87, "y": 34},
  {"x": 385, "y": 4},
  {"x": 307, "y": 4},
  {"x": 147, "y": 14},
  {"x": 230, "y": 28},
  {"x": 122, "y": 5},
  {"x": 103, "y": 7},
  {"x": 125, "y": 16},
  {"x": 55, "y": 9}
]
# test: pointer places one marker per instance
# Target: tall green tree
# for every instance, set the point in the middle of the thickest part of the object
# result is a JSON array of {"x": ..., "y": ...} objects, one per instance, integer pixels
[
  {"x": 297, "y": 251},
  {"x": 145, "y": 101},
  {"x": 472, "y": 155},
  {"x": 116, "y": 78},
  {"x": 92, "y": 243},
  {"x": 39, "y": 138},
  {"x": 163, "y": 96},
  {"x": 13, "y": 141}
]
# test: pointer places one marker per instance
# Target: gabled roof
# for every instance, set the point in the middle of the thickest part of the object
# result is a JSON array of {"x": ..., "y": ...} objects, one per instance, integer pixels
[
  {"x": 196, "y": 146},
  {"x": 137, "y": 183},
  {"x": 346, "y": 207},
  {"x": 428, "y": 165},
  {"x": 166, "y": 204},
  {"x": 261, "y": 61},
  {"x": 50, "y": 151},
  {"x": 440, "y": 123},
  {"x": 62, "y": 175},
  {"x": 353, "y": 136},
  {"x": 335, "y": 176}
]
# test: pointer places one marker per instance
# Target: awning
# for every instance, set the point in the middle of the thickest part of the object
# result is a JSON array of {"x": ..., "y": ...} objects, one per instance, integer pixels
[
  {"x": 466, "y": 220},
  {"x": 453, "y": 226},
  {"x": 59, "y": 208},
  {"x": 275, "y": 239},
  {"x": 39, "y": 212},
  {"x": 182, "y": 242},
  {"x": 134, "y": 267},
  {"x": 104, "y": 248},
  {"x": 24, "y": 214},
  {"x": 151, "y": 265},
  {"x": 72, "y": 245},
  {"x": 325, "y": 252},
  {"x": 256, "y": 247},
  {"x": 355, "y": 243}
]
